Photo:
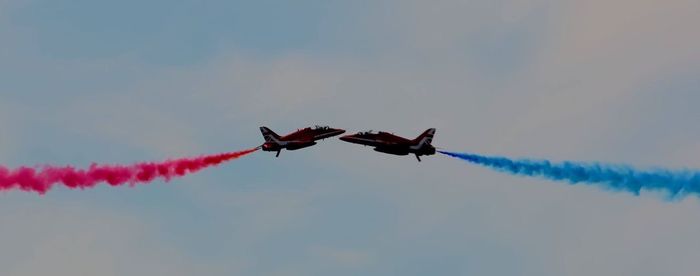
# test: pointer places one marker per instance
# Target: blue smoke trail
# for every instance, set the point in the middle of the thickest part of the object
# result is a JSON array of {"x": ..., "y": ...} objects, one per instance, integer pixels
[{"x": 617, "y": 177}]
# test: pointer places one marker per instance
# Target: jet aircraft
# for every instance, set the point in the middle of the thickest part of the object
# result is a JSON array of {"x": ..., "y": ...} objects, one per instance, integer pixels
[
  {"x": 299, "y": 139},
  {"x": 392, "y": 144}
]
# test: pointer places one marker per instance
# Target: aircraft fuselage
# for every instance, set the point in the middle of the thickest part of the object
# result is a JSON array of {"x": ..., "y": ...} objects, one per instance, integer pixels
[
  {"x": 299, "y": 139},
  {"x": 391, "y": 144}
]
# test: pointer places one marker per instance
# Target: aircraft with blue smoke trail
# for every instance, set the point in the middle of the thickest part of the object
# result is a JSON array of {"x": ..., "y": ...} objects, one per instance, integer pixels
[
  {"x": 299, "y": 139},
  {"x": 389, "y": 143}
]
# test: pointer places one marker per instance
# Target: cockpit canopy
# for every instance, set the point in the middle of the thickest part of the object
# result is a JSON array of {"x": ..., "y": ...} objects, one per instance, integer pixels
[
  {"x": 366, "y": 132},
  {"x": 318, "y": 127}
]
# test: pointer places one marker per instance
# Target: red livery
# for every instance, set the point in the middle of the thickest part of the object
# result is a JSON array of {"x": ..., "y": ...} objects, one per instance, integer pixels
[
  {"x": 392, "y": 144},
  {"x": 296, "y": 140}
]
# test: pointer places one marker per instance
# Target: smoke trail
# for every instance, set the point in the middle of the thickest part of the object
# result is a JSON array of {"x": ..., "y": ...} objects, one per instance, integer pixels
[
  {"x": 41, "y": 179},
  {"x": 616, "y": 177}
]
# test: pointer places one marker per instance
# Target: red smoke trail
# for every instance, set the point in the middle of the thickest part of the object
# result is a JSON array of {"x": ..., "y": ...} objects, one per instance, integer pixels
[{"x": 41, "y": 179}]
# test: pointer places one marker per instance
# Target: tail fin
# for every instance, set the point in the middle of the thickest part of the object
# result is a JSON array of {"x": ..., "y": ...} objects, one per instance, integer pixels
[
  {"x": 269, "y": 135},
  {"x": 426, "y": 137}
]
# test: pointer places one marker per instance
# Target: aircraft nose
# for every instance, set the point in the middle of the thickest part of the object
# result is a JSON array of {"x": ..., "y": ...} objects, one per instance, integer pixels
[{"x": 347, "y": 138}]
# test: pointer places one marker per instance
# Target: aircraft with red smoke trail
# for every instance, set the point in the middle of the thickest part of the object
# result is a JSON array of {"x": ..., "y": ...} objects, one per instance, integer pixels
[
  {"x": 299, "y": 139},
  {"x": 389, "y": 143}
]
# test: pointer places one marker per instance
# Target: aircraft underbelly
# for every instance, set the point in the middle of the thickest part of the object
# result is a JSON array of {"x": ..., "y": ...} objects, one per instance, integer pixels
[
  {"x": 301, "y": 145},
  {"x": 395, "y": 151}
]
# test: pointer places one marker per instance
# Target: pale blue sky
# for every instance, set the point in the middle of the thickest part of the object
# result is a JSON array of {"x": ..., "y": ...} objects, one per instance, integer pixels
[{"x": 124, "y": 81}]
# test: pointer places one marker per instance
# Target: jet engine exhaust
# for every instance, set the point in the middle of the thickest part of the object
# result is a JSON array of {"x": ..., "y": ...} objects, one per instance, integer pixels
[
  {"x": 42, "y": 178},
  {"x": 675, "y": 184}
]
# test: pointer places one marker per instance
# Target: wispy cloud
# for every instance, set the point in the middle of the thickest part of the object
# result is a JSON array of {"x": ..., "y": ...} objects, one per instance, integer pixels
[{"x": 525, "y": 78}]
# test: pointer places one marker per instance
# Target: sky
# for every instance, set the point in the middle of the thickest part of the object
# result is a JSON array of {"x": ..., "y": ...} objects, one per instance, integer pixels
[{"x": 125, "y": 81}]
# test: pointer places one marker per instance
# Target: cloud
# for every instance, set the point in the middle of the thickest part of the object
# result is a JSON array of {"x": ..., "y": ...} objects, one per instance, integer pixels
[
  {"x": 10, "y": 137},
  {"x": 343, "y": 257},
  {"x": 558, "y": 80},
  {"x": 50, "y": 237},
  {"x": 6, "y": 138},
  {"x": 129, "y": 121}
]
